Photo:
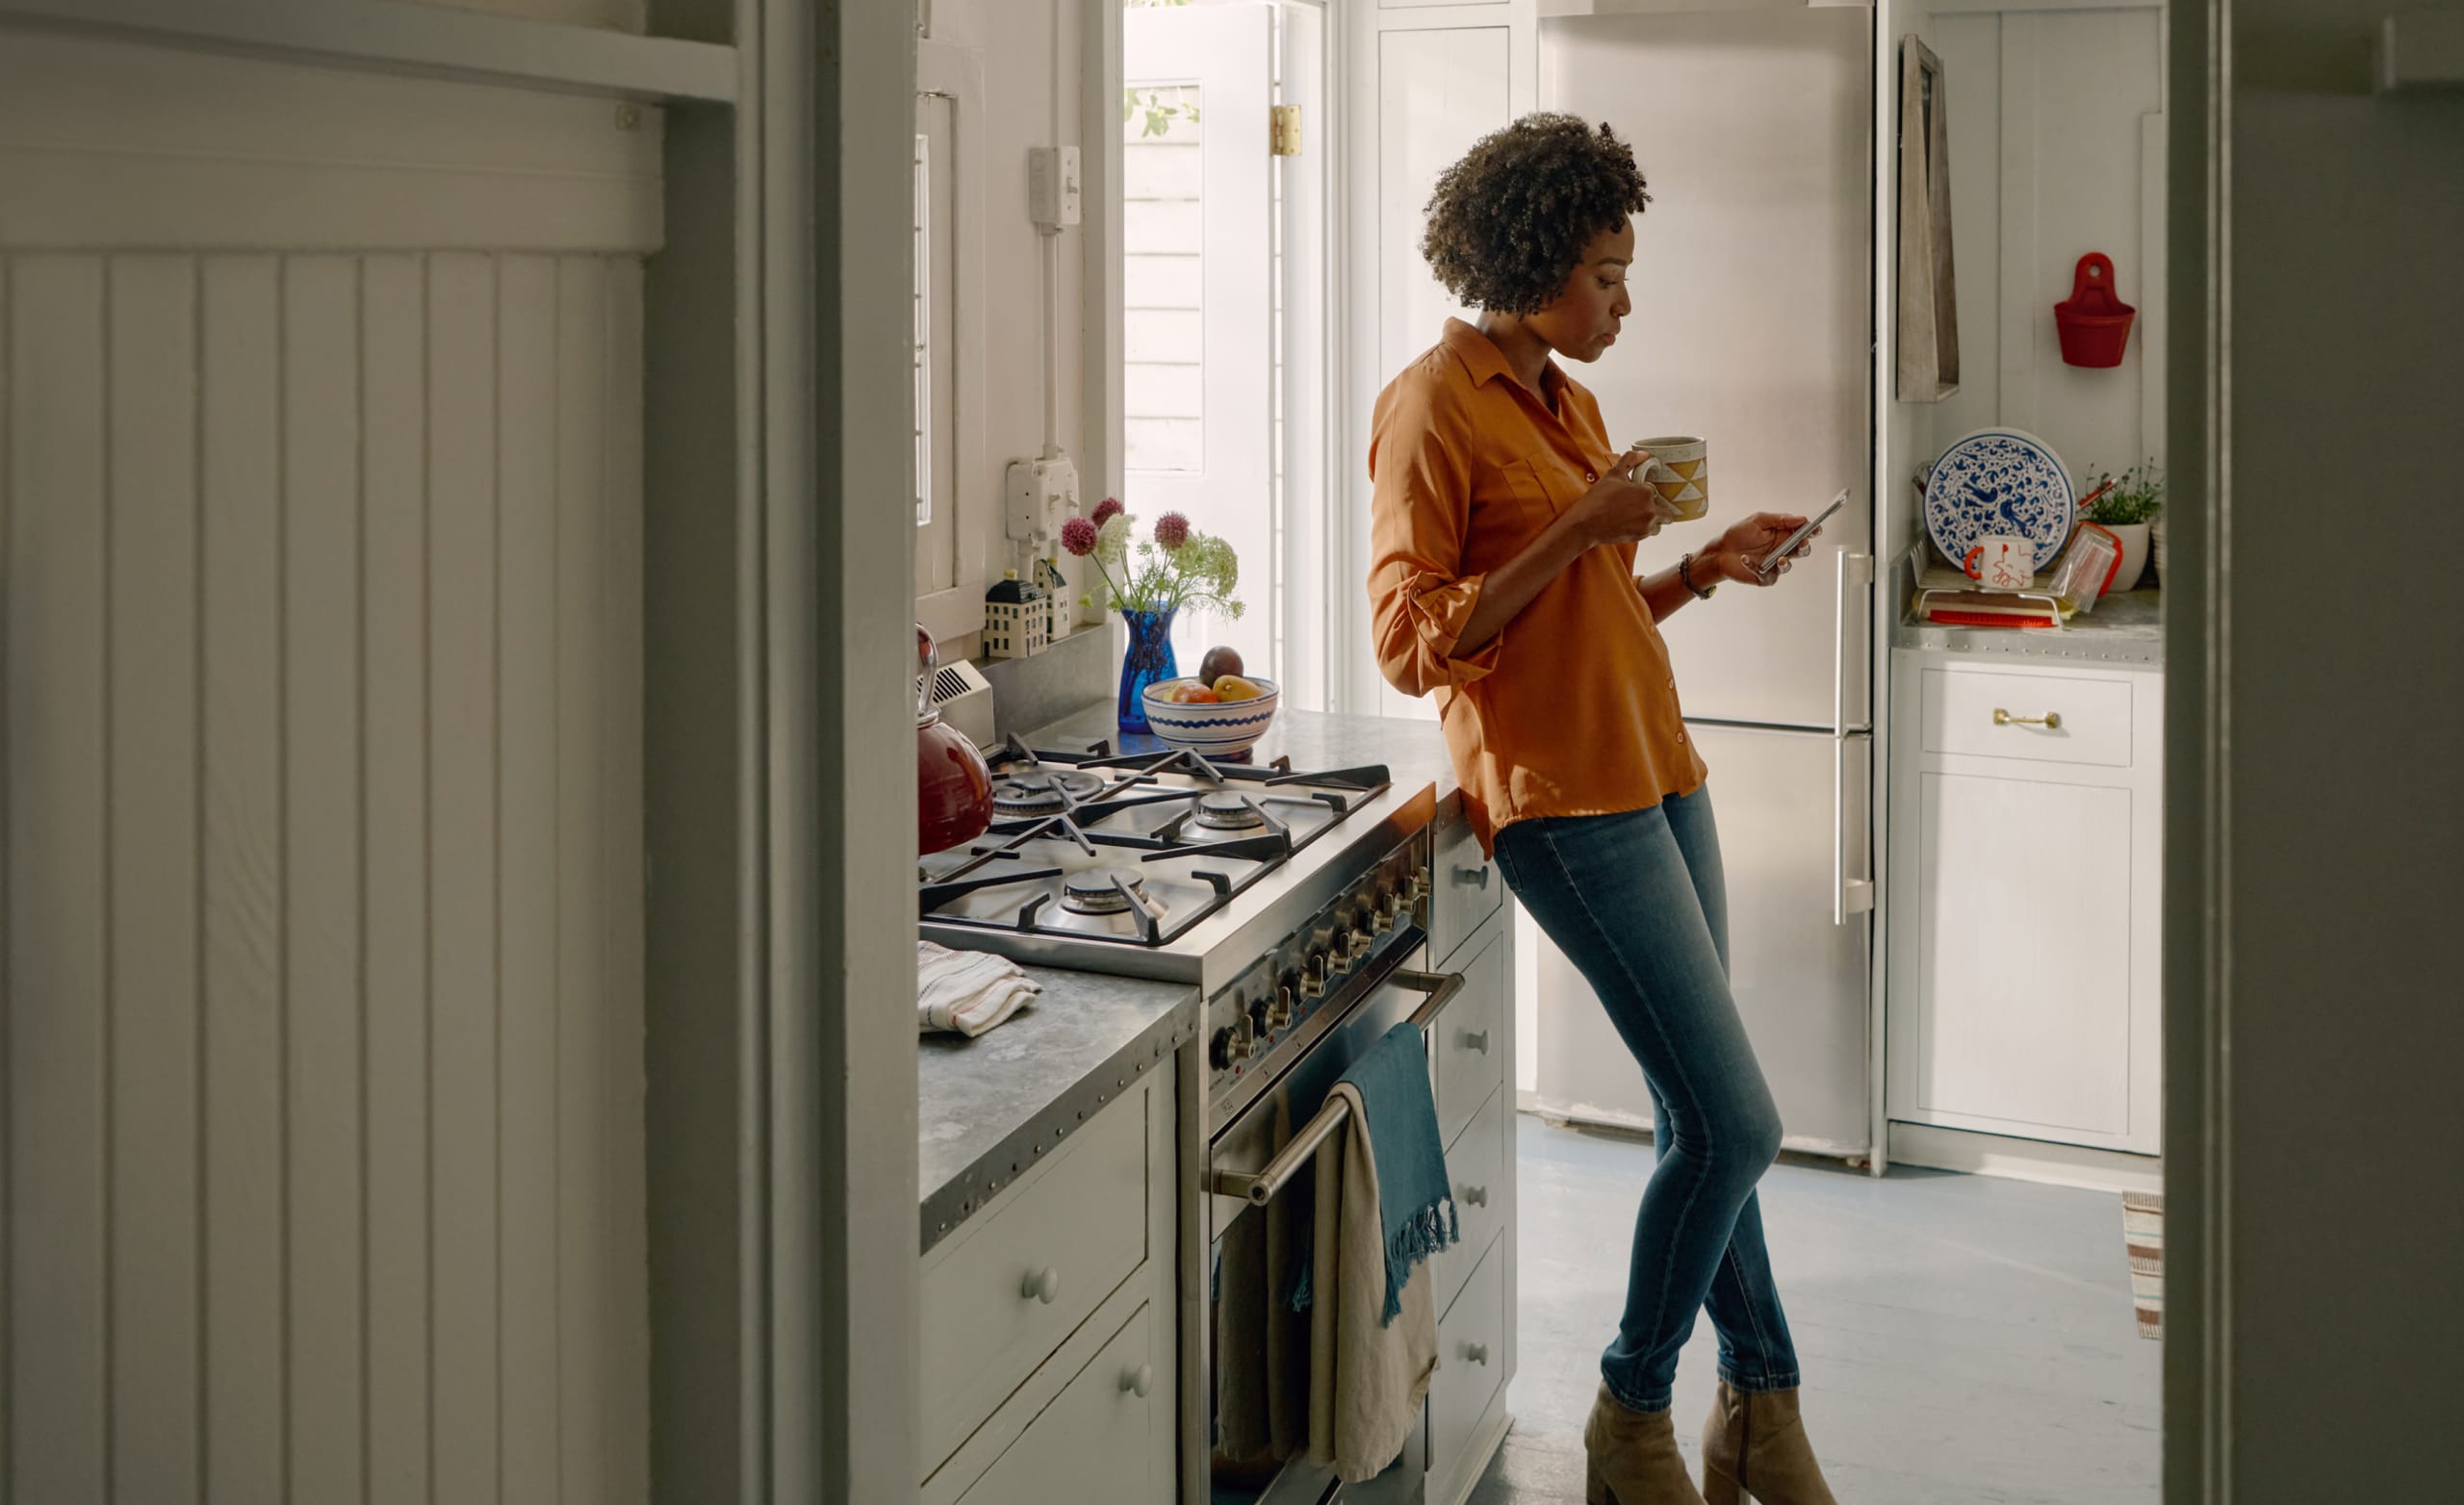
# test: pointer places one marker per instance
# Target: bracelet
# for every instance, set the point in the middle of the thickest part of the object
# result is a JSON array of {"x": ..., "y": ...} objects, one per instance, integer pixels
[{"x": 1685, "y": 573}]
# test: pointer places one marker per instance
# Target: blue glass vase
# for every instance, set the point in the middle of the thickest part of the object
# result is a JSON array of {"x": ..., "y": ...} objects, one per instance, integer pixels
[{"x": 1150, "y": 660}]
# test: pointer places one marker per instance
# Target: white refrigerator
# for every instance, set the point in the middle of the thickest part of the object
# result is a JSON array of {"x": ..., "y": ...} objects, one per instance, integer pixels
[{"x": 1752, "y": 323}]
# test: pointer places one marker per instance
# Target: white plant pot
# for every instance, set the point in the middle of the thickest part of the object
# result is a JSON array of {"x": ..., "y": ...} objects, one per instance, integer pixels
[{"x": 2133, "y": 537}]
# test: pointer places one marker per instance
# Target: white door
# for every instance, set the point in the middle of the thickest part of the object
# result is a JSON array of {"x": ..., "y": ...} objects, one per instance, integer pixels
[{"x": 1198, "y": 280}]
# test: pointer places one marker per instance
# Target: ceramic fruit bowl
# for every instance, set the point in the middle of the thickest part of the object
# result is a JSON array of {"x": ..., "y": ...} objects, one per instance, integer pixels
[{"x": 1225, "y": 729}]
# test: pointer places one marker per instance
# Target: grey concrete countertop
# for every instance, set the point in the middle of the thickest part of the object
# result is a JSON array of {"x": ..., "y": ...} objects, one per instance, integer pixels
[
  {"x": 2124, "y": 630},
  {"x": 985, "y": 1106},
  {"x": 1414, "y": 752}
]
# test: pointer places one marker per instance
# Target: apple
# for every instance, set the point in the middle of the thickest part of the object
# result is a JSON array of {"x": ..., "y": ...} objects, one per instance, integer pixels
[
  {"x": 1195, "y": 695},
  {"x": 1219, "y": 662}
]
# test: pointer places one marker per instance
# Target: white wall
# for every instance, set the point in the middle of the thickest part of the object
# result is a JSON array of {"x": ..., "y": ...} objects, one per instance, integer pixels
[
  {"x": 2056, "y": 135},
  {"x": 1030, "y": 51},
  {"x": 320, "y": 808}
]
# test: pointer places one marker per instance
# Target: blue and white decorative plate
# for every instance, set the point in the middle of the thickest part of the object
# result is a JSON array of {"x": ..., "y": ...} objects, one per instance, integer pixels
[{"x": 1999, "y": 480}]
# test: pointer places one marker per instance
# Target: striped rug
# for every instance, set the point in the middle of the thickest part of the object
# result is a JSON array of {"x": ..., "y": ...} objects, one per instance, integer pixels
[{"x": 2142, "y": 1236}]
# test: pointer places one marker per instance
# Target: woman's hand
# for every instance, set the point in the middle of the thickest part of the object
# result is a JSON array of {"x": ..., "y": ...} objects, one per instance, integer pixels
[
  {"x": 1620, "y": 509},
  {"x": 1749, "y": 542}
]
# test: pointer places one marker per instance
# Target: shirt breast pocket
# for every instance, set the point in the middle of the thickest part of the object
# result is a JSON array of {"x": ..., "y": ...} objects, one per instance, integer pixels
[{"x": 1540, "y": 487}]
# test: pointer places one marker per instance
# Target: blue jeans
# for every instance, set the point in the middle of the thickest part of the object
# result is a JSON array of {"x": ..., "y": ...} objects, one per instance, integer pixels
[{"x": 1637, "y": 902}]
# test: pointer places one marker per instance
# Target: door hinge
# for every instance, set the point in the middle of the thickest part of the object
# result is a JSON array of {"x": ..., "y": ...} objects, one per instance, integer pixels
[
  {"x": 1283, "y": 131},
  {"x": 1860, "y": 895}
]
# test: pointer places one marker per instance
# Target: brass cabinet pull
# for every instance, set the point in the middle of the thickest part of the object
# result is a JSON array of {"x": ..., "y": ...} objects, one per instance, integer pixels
[{"x": 2050, "y": 721}]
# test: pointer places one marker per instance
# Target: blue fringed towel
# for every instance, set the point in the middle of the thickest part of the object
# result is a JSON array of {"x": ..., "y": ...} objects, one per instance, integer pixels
[{"x": 1414, "y": 1197}]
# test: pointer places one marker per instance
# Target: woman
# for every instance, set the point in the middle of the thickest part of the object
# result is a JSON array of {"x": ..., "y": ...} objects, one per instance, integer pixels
[{"x": 1502, "y": 580}]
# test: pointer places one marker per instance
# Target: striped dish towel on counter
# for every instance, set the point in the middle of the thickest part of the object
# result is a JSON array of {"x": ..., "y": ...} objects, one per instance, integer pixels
[
  {"x": 2142, "y": 1236},
  {"x": 966, "y": 992}
]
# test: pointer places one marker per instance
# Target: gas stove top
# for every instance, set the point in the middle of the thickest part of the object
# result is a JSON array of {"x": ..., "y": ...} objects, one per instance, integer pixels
[{"x": 1130, "y": 850}]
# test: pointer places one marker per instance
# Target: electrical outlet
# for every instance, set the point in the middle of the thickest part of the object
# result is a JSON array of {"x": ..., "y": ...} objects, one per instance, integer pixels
[
  {"x": 1042, "y": 494},
  {"x": 1052, "y": 185}
]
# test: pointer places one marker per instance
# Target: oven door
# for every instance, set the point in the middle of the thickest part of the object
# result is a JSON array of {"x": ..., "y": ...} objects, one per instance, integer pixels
[{"x": 1266, "y": 1171}]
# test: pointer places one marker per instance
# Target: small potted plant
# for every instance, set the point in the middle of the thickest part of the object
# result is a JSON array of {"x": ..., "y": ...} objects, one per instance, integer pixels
[
  {"x": 2130, "y": 503},
  {"x": 1148, "y": 581}
]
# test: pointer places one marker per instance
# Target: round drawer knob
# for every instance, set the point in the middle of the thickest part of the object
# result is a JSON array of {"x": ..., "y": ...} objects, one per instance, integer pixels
[
  {"x": 1476, "y": 1197},
  {"x": 1477, "y": 1042},
  {"x": 1477, "y": 1353},
  {"x": 1476, "y": 877},
  {"x": 1139, "y": 1382},
  {"x": 1042, "y": 1285}
]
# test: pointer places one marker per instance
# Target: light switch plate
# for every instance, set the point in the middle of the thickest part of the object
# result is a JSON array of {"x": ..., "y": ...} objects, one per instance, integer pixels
[{"x": 1052, "y": 185}]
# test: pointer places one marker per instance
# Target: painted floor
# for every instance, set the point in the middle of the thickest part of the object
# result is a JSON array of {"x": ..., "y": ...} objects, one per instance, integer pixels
[{"x": 1965, "y": 1340}]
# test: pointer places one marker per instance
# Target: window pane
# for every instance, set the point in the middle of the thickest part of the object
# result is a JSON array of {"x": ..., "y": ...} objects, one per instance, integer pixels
[{"x": 1164, "y": 274}]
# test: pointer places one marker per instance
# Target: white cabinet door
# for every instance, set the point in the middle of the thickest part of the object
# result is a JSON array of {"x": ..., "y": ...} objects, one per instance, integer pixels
[
  {"x": 2023, "y": 998},
  {"x": 2025, "y": 966},
  {"x": 1095, "y": 1444}
]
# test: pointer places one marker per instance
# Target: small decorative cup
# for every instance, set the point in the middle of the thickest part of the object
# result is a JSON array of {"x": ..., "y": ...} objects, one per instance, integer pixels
[
  {"x": 1680, "y": 467},
  {"x": 2002, "y": 563}
]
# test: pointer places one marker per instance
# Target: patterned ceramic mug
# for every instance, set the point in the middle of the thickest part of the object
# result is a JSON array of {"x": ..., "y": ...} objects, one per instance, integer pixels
[{"x": 1680, "y": 467}]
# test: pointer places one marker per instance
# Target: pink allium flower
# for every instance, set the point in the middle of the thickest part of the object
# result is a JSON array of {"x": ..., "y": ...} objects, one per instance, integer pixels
[
  {"x": 1171, "y": 532},
  {"x": 1078, "y": 535},
  {"x": 1108, "y": 509}
]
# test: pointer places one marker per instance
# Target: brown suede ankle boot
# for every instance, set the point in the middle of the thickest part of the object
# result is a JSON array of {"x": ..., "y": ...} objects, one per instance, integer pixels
[
  {"x": 1755, "y": 1448},
  {"x": 1632, "y": 1458}
]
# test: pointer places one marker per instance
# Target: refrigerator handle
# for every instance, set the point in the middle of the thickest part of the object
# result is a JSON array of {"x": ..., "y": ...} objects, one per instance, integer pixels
[{"x": 1846, "y": 898}]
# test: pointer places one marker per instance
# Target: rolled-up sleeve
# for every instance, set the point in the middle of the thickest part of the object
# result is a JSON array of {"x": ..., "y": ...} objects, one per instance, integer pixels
[{"x": 1420, "y": 596}]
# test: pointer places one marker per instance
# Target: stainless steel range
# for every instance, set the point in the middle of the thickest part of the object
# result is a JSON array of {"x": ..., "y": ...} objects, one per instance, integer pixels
[{"x": 1297, "y": 900}]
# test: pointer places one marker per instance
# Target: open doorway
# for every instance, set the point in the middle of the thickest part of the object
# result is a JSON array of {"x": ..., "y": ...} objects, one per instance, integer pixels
[{"x": 1225, "y": 307}]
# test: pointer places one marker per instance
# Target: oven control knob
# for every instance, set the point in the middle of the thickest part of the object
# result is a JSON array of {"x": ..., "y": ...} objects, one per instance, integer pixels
[
  {"x": 1362, "y": 944},
  {"x": 1383, "y": 910},
  {"x": 1313, "y": 980},
  {"x": 1232, "y": 1045},
  {"x": 1280, "y": 1009}
]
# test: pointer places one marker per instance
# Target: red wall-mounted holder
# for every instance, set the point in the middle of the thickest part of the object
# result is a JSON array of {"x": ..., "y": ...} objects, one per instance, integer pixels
[{"x": 2094, "y": 324}]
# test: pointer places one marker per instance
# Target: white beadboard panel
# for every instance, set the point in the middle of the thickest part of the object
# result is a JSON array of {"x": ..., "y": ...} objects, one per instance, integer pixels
[
  {"x": 245, "y": 1025},
  {"x": 464, "y": 959},
  {"x": 2056, "y": 132},
  {"x": 527, "y": 776},
  {"x": 322, "y": 826},
  {"x": 617, "y": 1249},
  {"x": 322, "y": 926},
  {"x": 105, "y": 143},
  {"x": 624, "y": 16},
  {"x": 57, "y": 930},
  {"x": 393, "y": 888},
  {"x": 153, "y": 682}
]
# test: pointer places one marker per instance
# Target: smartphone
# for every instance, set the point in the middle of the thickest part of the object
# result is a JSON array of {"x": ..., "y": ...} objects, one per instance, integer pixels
[{"x": 1771, "y": 561}]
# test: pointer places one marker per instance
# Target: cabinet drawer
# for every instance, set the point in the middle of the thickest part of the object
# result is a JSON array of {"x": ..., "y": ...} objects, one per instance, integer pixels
[
  {"x": 1959, "y": 707},
  {"x": 1471, "y": 1361},
  {"x": 1077, "y": 1231},
  {"x": 1473, "y": 1164},
  {"x": 1096, "y": 1443},
  {"x": 1469, "y": 1040},
  {"x": 1466, "y": 889}
]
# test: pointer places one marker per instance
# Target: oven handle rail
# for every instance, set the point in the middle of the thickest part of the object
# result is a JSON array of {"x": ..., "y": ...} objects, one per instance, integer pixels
[{"x": 1261, "y": 1188}]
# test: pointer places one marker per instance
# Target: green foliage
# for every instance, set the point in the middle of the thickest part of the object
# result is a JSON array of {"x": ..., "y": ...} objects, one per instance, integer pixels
[
  {"x": 1161, "y": 107},
  {"x": 1143, "y": 575},
  {"x": 2136, "y": 497}
]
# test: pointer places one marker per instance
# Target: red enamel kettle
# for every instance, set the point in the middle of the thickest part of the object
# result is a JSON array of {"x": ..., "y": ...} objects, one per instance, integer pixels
[{"x": 952, "y": 788}]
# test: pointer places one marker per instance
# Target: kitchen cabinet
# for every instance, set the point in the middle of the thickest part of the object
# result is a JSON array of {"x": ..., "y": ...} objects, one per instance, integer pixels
[
  {"x": 2025, "y": 859},
  {"x": 1047, "y": 1350},
  {"x": 1471, "y": 1045}
]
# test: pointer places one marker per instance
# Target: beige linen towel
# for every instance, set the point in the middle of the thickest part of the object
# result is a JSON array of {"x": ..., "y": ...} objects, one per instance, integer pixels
[{"x": 1367, "y": 1379}]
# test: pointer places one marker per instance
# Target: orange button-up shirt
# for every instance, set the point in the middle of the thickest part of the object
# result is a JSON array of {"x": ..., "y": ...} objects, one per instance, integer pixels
[{"x": 1572, "y": 709}]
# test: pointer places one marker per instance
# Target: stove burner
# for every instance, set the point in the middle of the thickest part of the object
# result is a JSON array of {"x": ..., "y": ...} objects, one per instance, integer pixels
[
  {"x": 1097, "y": 890},
  {"x": 1223, "y": 810},
  {"x": 1043, "y": 793}
]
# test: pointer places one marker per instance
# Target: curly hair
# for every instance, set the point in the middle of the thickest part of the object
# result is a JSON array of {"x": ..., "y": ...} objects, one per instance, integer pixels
[{"x": 1508, "y": 223}]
